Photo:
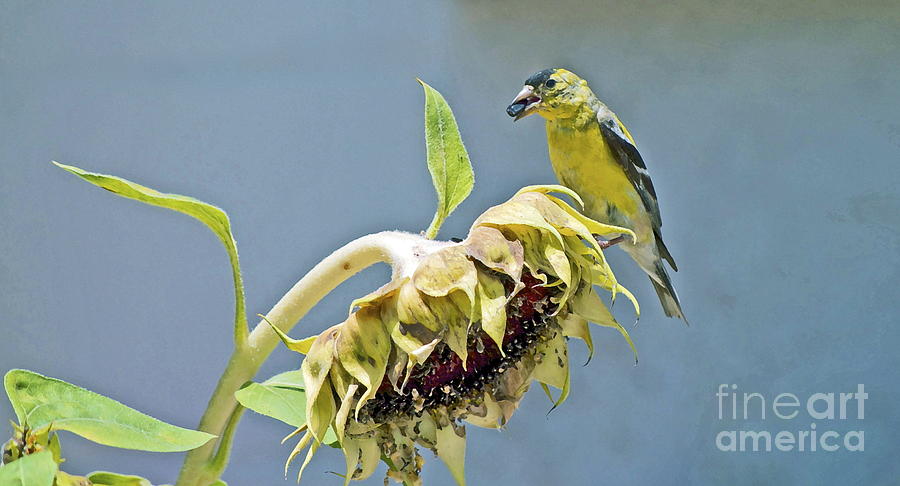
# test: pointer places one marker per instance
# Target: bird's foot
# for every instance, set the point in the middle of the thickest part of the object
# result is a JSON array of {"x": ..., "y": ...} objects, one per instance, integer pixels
[{"x": 604, "y": 244}]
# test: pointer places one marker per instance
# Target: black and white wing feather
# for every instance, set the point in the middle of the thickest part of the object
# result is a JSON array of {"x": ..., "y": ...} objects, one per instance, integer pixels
[
  {"x": 632, "y": 163},
  {"x": 630, "y": 159}
]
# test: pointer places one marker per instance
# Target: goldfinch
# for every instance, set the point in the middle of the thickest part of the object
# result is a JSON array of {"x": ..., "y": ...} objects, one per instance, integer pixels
[{"x": 593, "y": 154}]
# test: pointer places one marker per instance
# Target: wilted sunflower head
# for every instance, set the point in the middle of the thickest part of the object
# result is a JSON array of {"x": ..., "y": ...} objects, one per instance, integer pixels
[{"x": 458, "y": 335}]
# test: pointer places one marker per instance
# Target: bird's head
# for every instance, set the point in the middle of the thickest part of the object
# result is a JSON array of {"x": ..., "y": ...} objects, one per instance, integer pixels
[{"x": 553, "y": 93}]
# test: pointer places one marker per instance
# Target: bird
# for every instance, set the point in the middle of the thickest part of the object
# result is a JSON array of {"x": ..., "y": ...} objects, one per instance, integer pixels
[{"x": 593, "y": 154}]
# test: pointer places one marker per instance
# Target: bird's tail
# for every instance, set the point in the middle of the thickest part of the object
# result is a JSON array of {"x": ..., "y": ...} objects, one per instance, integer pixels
[{"x": 666, "y": 292}]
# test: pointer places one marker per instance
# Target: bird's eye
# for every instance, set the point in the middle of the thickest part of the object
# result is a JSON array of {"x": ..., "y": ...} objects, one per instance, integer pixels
[{"x": 550, "y": 83}]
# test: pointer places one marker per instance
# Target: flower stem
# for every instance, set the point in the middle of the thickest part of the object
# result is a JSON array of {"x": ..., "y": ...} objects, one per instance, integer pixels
[{"x": 204, "y": 465}]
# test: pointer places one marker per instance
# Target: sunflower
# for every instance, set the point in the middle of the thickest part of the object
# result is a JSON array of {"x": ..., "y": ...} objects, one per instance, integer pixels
[{"x": 458, "y": 335}]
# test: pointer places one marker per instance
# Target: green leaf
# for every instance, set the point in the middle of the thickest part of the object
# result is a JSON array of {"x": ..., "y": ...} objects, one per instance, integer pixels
[
  {"x": 288, "y": 379},
  {"x": 65, "y": 479},
  {"x": 104, "y": 478},
  {"x": 211, "y": 216},
  {"x": 281, "y": 397},
  {"x": 32, "y": 470},
  {"x": 448, "y": 161},
  {"x": 38, "y": 401},
  {"x": 285, "y": 404}
]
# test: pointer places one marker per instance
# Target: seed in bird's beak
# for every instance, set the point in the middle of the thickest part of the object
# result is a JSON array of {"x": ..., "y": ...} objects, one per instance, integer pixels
[
  {"x": 516, "y": 108},
  {"x": 523, "y": 104}
]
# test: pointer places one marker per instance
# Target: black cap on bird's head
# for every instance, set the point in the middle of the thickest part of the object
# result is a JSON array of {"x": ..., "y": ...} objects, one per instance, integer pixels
[
  {"x": 539, "y": 78},
  {"x": 543, "y": 91},
  {"x": 526, "y": 102}
]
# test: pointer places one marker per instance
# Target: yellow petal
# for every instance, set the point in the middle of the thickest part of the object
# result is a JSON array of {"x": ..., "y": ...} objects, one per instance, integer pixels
[
  {"x": 411, "y": 338},
  {"x": 340, "y": 420},
  {"x": 607, "y": 283},
  {"x": 351, "y": 456},
  {"x": 559, "y": 262},
  {"x": 369, "y": 457},
  {"x": 454, "y": 311},
  {"x": 444, "y": 271},
  {"x": 296, "y": 431},
  {"x": 384, "y": 291},
  {"x": 517, "y": 213},
  {"x": 309, "y": 455},
  {"x": 412, "y": 309},
  {"x": 595, "y": 227},
  {"x": 553, "y": 366},
  {"x": 363, "y": 348},
  {"x": 588, "y": 305},
  {"x": 451, "y": 448},
  {"x": 304, "y": 441},
  {"x": 396, "y": 365},
  {"x": 322, "y": 411},
  {"x": 315, "y": 368},
  {"x": 576, "y": 326},
  {"x": 547, "y": 189},
  {"x": 492, "y": 300},
  {"x": 426, "y": 430},
  {"x": 408, "y": 336},
  {"x": 487, "y": 415},
  {"x": 493, "y": 250},
  {"x": 571, "y": 287},
  {"x": 422, "y": 353},
  {"x": 553, "y": 213},
  {"x": 565, "y": 219}
]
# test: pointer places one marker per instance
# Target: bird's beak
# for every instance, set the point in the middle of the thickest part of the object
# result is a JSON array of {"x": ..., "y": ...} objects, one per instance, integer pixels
[{"x": 524, "y": 104}]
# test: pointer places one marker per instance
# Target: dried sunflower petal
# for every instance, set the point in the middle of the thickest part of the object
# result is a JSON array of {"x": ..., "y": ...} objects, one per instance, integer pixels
[{"x": 458, "y": 336}]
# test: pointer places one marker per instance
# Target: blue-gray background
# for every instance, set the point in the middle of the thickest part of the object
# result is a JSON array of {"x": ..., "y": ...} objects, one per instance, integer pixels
[{"x": 771, "y": 130}]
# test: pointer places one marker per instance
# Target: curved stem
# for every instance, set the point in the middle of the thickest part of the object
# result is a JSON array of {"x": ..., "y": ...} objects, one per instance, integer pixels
[{"x": 203, "y": 465}]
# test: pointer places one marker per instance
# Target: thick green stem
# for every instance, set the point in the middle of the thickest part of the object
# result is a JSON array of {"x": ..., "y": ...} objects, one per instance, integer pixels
[
  {"x": 203, "y": 465},
  {"x": 220, "y": 460}
]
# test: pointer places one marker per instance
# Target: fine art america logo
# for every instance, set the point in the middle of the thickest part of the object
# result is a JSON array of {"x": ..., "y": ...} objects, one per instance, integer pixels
[{"x": 828, "y": 409}]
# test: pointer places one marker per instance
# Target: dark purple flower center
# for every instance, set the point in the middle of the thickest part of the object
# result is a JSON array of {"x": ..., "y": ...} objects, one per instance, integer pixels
[{"x": 441, "y": 379}]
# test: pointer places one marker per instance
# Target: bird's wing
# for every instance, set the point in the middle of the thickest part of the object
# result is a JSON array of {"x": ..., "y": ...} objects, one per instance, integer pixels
[{"x": 627, "y": 155}]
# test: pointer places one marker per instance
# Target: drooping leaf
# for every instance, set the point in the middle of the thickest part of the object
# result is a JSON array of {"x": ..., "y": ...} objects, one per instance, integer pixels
[
  {"x": 39, "y": 401},
  {"x": 297, "y": 345},
  {"x": 104, "y": 478},
  {"x": 214, "y": 218},
  {"x": 448, "y": 161},
  {"x": 32, "y": 470}
]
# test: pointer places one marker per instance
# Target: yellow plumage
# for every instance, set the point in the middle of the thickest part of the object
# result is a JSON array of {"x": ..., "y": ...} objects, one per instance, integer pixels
[
  {"x": 592, "y": 153},
  {"x": 584, "y": 162}
]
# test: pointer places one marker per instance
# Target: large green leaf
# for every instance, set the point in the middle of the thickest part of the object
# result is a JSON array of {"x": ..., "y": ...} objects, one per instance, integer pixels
[
  {"x": 285, "y": 404},
  {"x": 211, "y": 216},
  {"x": 448, "y": 161},
  {"x": 33, "y": 470},
  {"x": 38, "y": 401},
  {"x": 104, "y": 478},
  {"x": 287, "y": 379},
  {"x": 281, "y": 397}
]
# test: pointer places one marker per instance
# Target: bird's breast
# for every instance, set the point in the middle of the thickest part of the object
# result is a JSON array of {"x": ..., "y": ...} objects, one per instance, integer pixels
[{"x": 584, "y": 162}]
